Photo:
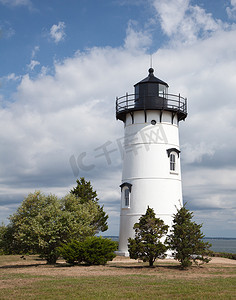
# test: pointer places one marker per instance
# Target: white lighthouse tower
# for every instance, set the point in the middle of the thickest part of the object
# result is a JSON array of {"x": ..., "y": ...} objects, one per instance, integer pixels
[{"x": 151, "y": 157}]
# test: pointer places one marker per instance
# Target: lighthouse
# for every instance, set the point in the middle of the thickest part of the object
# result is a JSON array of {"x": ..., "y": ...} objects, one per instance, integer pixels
[{"x": 151, "y": 174}]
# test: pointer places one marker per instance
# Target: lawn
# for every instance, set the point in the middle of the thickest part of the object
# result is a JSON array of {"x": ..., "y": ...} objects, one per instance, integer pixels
[{"x": 121, "y": 279}]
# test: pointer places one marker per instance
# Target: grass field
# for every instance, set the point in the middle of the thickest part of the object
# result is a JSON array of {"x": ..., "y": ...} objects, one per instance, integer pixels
[{"x": 120, "y": 279}]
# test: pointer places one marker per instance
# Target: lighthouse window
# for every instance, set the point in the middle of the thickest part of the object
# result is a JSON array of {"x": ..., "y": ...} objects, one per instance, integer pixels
[
  {"x": 173, "y": 155},
  {"x": 162, "y": 90},
  {"x": 172, "y": 162},
  {"x": 126, "y": 194}
]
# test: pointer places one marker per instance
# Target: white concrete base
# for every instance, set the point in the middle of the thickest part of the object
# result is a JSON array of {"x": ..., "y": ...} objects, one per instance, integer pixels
[
  {"x": 122, "y": 253},
  {"x": 169, "y": 254}
]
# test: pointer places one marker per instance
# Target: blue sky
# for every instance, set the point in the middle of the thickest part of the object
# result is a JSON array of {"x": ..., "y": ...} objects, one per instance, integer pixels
[{"x": 64, "y": 62}]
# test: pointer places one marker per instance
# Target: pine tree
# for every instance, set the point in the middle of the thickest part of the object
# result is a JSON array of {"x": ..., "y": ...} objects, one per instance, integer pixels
[
  {"x": 85, "y": 193},
  {"x": 147, "y": 245},
  {"x": 186, "y": 239}
]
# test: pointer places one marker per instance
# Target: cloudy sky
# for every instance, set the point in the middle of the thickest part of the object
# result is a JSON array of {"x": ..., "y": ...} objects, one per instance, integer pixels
[{"x": 62, "y": 63}]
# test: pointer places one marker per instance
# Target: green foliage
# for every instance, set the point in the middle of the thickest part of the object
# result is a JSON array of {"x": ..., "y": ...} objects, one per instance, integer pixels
[
  {"x": 93, "y": 251},
  {"x": 223, "y": 254},
  {"x": 42, "y": 223},
  {"x": 186, "y": 240},
  {"x": 38, "y": 225},
  {"x": 85, "y": 193},
  {"x": 98, "y": 250},
  {"x": 72, "y": 252},
  {"x": 3, "y": 230},
  {"x": 81, "y": 217},
  {"x": 147, "y": 245}
]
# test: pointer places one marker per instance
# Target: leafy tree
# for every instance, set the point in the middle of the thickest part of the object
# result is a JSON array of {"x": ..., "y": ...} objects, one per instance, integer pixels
[
  {"x": 186, "y": 239},
  {"x": 84, "y": 193},
  {"x": 7, "y": 242},
  {"x": 42, "y": 223},
  {"x": 93, "y": 251},
  {"x": 147, "y": 245},
  {"x": 3, "y": 230}
]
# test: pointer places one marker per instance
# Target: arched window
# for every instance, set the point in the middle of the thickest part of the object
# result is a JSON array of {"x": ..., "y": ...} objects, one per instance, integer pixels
[
  {"x": 125, "y": 194},
  {"x": 126, "y": 197},
  {"x": 172, "y": 162},
  {"x": 173, "y": 155}
]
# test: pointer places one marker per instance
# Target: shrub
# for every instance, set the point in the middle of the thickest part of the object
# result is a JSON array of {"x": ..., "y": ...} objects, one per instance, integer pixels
[
  {"x": 224, "y": 254},
  {"x": 93, "y": 251},
  {"x": 98, "y": 250},
  {"x": 72, "y": 252}
]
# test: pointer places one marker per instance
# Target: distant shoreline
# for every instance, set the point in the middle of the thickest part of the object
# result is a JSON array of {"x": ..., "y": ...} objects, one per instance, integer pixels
[
  {"x": 218, "y": 244},
  {"x": 116, "y": 237},
  {"x": 218, "y": 238}
]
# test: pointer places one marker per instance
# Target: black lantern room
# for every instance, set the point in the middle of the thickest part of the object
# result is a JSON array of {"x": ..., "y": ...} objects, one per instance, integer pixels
[{"x": 151, "y": 94}]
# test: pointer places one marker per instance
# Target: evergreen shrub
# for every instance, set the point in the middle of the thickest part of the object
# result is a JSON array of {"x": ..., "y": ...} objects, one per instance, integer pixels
[
  {"x": 72, "y": 252},
  {"x": 98, "y": 250},
  {"x": 93, "y": 251},
  {"x": 224, "y": 255}
]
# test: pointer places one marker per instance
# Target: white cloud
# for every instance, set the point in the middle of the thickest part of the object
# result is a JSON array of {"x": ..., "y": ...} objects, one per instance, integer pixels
[
  {"x": 183, "y": 22},
  {"x": 136, "y": 39},
  {"x": 13, "y": 77},
  {"x": 231, "y": 11},
  {"x": 6, "y": 31},
  {"x": 211, "y": 194},
  {"x": 57, "y": 32},
  {"x": 17, "y": 2},
  {"x": 33, "y": 64},
  {"x": 195, "y": 153},
  {"x": 34, "y": 51},
  {"x": 171, "y": 14}
]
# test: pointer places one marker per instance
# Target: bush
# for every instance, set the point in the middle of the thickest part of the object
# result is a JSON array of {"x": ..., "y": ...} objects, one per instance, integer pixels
[
  {"x": 224, "y": 254},
  {"x": 93, "y": 251},
  {"x": 72, "y": 252},
  {"x": 98, "y": 251}
]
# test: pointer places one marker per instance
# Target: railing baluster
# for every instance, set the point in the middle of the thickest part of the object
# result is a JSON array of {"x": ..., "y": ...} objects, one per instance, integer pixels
[{"x": 166, "y": 101}]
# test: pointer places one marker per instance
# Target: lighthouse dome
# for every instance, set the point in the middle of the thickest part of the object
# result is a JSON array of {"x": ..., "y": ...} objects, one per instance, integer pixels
[{"x": 152, "y": 79}]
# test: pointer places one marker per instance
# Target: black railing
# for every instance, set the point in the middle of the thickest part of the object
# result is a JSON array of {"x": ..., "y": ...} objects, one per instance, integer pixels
[{"x": 170, "y": 102}]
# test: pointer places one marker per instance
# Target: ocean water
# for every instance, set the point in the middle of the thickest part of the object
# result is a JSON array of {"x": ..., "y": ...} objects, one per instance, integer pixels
[
  {"x": 218, "y": 244},
  {"x": 222, "y": 244}
]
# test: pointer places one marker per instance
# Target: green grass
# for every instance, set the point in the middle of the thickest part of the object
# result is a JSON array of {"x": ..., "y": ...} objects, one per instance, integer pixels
[
  {"x": 6, "y": 259},
  {"x": 123, "y": 287},
  {"x": 163, "y": 282}
]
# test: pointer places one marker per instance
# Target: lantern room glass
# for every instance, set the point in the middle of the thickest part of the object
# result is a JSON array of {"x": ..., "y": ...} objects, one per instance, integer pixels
[{"x": 163, "y": 90}]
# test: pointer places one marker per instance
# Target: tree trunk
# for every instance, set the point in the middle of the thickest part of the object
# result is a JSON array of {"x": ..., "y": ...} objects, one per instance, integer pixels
[
  {"x": 52, "y": 259},
  {"x": 150, "y": 263}
]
